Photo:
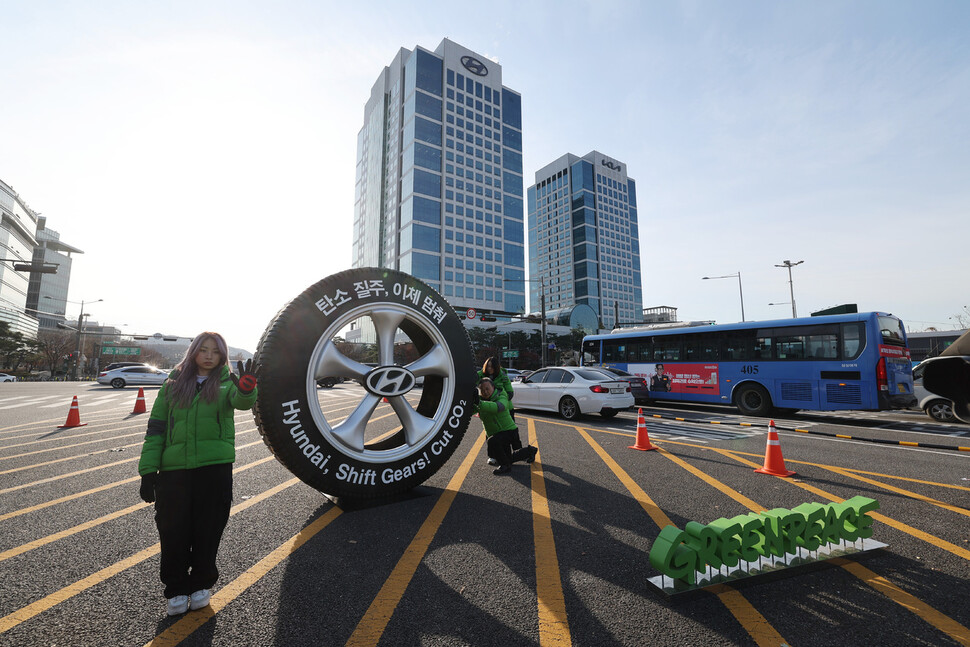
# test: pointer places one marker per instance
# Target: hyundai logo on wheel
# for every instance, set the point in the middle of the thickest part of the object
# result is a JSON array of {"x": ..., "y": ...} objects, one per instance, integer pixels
[{"x": 389, "y": 381}]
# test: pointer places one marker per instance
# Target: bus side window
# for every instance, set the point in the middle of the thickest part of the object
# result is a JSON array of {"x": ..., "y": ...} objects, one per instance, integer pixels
[
  {"x": 611, "y": 350},
  {"x": 762, "y": 347},
  {"x": 853, "y": 340},
  {"x": 791, "y": 347},
  {"x": 824, "y": 346},
  {"x": 645, "y": 350}
]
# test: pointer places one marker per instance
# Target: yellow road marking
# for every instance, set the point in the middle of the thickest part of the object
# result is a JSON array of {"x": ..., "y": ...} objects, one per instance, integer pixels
[
  {"x": 23, "y": 614},
  {"x": 182, "y": 629},
  {"x": 713, "y": 482},
  {"x": 898, "y": 525},
  {"x": 62, "y": 476},
  {"x": 71, "y": 497},
  {"x": 797, "y": 462},
  {"x": 921, "y": 609},
  {"x": 49, "y": 539},
  {"x": 651, "y": 508},
  {"x": 553, "y": 623},
  {"x": 908, "y": 493},
  {"x": 942, "y": 622},
  {"x": 750, "y": 619},
  {"x": 371, "y": 627}
]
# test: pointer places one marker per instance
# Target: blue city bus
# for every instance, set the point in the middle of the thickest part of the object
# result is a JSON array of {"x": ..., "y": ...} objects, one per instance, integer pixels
[{"x": 854, "y": 361}]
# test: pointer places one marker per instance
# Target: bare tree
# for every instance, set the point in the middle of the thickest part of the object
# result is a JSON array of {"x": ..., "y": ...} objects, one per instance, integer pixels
[{"x": 55, "y": 346}]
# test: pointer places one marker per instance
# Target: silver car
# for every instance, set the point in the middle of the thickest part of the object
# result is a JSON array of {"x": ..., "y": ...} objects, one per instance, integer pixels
[
  {"x": 143, "y": 375},
  {"x": 573, "y": 391},
  {"x": 937, "y": 408}
]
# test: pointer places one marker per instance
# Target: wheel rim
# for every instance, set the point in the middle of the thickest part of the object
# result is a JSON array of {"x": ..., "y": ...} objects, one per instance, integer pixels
[
  {"x": 568, "y": 408},
  {"x": 436, "y": 364},
  {"x": 941, "y": 411},
  {"x": 117, "y": 383}
]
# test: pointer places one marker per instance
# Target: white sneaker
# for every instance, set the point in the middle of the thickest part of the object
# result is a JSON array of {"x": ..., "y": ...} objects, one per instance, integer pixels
[
  {"x": 200, "y": 599},
  {"x": 178, "y": 605}
]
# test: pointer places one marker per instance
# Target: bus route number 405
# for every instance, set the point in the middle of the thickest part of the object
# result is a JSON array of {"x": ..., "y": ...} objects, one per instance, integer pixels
[{"x": 749, "y": 370}]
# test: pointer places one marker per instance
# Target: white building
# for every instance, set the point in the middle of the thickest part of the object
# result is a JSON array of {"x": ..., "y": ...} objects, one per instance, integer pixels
[
  {"x": 18, "y": 222},
  {"x": 47, "y": 293}
]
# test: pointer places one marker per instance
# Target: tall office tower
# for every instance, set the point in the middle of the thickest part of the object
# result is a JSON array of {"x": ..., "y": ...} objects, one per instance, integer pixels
[
  {"x": 439, "y": 178},
  {"x": 584, "y": 241}
]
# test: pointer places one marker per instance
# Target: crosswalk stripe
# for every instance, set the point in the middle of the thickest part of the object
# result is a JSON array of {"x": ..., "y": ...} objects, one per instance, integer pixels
[{"x": 28, "y": 403}]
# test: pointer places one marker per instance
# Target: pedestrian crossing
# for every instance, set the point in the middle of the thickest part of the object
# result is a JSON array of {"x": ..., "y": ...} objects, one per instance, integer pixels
[
  {"x": 54, "y": 401},
  {"x": 693, "y": 432}
]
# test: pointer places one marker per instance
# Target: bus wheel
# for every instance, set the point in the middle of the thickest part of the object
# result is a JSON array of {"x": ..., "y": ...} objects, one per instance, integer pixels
[
  {"x": 753, "y": 400},
  {"x": 396, "y": 436}
]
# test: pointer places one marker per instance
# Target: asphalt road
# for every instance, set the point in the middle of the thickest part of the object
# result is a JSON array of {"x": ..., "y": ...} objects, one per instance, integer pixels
[{"x": 554, "y": 554}]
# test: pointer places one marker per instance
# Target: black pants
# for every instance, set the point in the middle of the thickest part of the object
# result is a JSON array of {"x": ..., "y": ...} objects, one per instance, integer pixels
[
  {"x": 191, "y": 511},
  {"x": 502, "y": 448}
]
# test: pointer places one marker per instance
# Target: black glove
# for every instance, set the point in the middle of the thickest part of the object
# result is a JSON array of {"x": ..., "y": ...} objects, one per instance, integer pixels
[
  {"x": 476, "y": 399},
  {"x": 147, "y": 489},
  {"x": 246, "y": 381}
]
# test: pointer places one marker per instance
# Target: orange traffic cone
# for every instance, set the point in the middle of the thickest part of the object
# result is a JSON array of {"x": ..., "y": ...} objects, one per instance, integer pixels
[
  {"x": 643, "y": 439},
  {"x": 774, "y": 461},
  {"x": 73, "y": 416},
  {"x": 140, "y": 402}
]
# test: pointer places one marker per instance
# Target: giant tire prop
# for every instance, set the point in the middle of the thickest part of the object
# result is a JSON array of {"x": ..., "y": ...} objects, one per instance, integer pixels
[{"x": 341, "y": 454}]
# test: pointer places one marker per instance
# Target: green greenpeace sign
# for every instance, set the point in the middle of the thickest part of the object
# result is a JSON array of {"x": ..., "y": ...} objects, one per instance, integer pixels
[{"x": 682, "y": 554}]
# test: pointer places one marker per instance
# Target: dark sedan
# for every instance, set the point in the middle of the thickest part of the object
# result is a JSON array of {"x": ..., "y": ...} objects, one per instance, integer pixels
[{"x": 638, "y": 385}]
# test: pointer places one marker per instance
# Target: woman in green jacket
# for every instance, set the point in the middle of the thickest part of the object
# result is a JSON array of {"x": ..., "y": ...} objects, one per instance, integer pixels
[
  {"x": 493, "y": 370},
  {"x": 186, "y": 465},
  {"x": 500, "y": 430}
]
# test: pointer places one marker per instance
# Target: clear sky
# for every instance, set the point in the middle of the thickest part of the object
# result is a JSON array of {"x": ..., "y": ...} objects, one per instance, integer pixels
[{"x": 202, "y": 153}]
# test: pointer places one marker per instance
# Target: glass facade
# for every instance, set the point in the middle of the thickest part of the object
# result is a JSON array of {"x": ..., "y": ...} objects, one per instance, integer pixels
[
  {"x": 457, "y": 222},
  {"x": 584, "y": 240}
]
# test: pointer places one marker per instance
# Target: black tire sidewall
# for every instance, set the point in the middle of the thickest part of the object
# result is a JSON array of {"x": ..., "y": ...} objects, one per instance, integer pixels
[
  {"x": 283, "y": 411},
  {"x": 742, "y": 406}
]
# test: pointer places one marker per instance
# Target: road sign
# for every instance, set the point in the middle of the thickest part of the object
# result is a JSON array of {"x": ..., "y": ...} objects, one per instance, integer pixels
[
  {"x": 121, "y": 350},
  {"x": 470, "y": 313},
  {"x": 506, "y": 354}
]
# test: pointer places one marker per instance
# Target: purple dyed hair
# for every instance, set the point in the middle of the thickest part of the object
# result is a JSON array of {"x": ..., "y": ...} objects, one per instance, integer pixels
[{"x": 183, "y": 386}]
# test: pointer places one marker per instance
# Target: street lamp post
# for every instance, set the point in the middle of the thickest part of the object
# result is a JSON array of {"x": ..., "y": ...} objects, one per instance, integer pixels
[
  {"x": 740, "y": 291},
  {"x": 80, "y": 324},
  {"x": 791, "y": 285}
]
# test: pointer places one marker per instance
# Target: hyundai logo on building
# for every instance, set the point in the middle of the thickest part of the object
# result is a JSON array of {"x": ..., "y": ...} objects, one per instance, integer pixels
[
  {"x": 474, "y": 65},
  {"x": 389, "y": 381},
  {"x": 611, "y": 165}
]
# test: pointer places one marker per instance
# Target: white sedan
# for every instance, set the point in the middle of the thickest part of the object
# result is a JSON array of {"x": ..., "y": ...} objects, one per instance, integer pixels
[
  {"x": 119, "y": 378},
  {"x": 4, "y": 377},
  {"x": 572, "y": 391}
]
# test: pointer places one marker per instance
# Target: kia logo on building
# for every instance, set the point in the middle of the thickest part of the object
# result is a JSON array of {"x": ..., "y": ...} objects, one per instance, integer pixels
[
  {"x": 389, "y": 381},
  {"x": 611, "y": 165},
  {"x": 474, "y": 65}
]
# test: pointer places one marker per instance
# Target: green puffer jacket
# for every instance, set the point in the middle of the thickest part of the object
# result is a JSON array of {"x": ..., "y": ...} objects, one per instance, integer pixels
[
  {"x": 494, "y": 413},
  {"x": 203, "y": 434},
  {"x": 501, "y": 382}
]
